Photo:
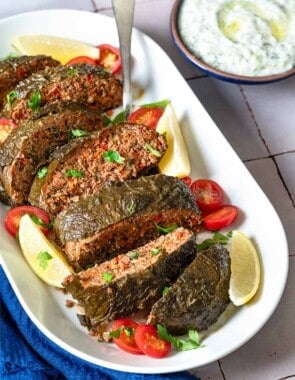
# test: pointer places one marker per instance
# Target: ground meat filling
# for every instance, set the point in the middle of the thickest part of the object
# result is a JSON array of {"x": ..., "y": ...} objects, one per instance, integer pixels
[
  {"x": 86, "y": 168},
  {"x": 21, "y": 156},
  {"x": 79, "y": 83},
  {"x": 132, "y": 282},
  {"x": 14, "y": 70},
  {"x": 127, "y": 234}
]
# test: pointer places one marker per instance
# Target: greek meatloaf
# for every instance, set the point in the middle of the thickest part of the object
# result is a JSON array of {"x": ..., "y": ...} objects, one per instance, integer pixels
[
  {"x": 123, "y": 216},
  {"x": 29, "y": 146},
  {"x": 199, "y": 296},
  {"x": 117, "y": 153},
  {"x": 13, "y": 70},
  {"x": 79, "y": 83},
  {"x": 133, "y": 281}
]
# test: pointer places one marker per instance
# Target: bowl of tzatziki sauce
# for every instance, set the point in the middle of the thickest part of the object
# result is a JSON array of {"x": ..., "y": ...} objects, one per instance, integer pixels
[{"x": 243, "y": 41}]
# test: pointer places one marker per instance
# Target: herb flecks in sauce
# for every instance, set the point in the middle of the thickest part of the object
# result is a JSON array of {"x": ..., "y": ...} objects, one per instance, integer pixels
[{"x": 240, "y": 36}]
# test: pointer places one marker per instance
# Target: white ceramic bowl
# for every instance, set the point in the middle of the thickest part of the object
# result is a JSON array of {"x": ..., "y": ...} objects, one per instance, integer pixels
[{"x": 212, "y": 71}]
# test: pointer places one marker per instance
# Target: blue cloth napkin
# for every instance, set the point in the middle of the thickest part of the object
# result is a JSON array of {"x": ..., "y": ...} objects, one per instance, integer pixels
[{"x": 27, "y": 354}]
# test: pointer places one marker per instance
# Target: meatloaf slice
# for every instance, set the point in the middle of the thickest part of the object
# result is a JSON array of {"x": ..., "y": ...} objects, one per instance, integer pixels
[
  {"x": 133, "y": 281},
  {"x": 79, "y": 83},
  {"x": 29, "y": 146},
  {"x": 13, "y": 70},
  {"x": 199, "y": 296},
  {"x": 117, "y": 153},
  {"x": 123, "y": 216}
]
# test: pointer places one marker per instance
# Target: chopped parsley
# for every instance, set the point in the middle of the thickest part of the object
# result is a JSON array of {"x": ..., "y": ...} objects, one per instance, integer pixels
[
  {"x": 166, "y": 230},
  {"x": 154, "y": 151},
  {"x": 11, "y": 96},
  {"x": 113, "y": 156},
  {"x": 155, "y": 251},
  {"x": 40, "y": 222},
  {"x": 129, "y": 331},
  {"x": 107, "y": 277},
  {"x": 72, "y": 71},
  {"x": 74, "y": 173},
  {"x": 133, "y": 255},
  {"x": 131, "y": 207},
  {"x": 35, "y": 101},
  {"x": 43, "y": 258},
  {"x": 218, "y": 237},
  {"x": 165, "y": 290},
  {"x": 42, "y": 173},
  {"x": 191, "y": 343},
  {"x": 74, "y": 133}
]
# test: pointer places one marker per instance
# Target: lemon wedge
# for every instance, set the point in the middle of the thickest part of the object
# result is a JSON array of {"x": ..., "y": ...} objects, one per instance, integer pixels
[
  {"x": 245, "y": 269},
  {"x": 61, "y": 49},
  {"x": 176, "y": 161},
  {"x": 42, "y": 256}
]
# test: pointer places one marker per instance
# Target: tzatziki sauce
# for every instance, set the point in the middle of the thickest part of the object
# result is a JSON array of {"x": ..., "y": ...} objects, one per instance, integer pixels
[{"x": 245, "y": 37}]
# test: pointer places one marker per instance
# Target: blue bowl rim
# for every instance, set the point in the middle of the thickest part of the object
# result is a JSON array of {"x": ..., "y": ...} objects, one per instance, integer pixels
[{"x": 207, "y": 69}]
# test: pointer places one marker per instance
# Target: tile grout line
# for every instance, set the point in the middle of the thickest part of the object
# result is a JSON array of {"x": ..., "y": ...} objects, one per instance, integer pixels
[
  {"x": 221, "y": 369},
  {"x": 271, "y": 156}
]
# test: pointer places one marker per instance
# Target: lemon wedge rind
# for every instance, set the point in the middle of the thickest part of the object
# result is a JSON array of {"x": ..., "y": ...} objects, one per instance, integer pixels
[
  {"x": 245, "y": 269},
  {"x": 32, "y": 242}
]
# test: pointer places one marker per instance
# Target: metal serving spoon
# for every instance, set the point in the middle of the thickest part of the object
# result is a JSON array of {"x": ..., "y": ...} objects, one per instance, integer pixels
[{"x": 124, "y": 11}]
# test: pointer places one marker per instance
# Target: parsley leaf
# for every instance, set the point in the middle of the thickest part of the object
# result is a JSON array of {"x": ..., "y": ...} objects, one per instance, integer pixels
[
  {"x": 161, "y": 103},
  {"x": 129, "y": 331},
  {"x": 43, "y": 258},
  {"x": 113, "y": 156},
  {"x": 11, "y": 96},
  {"x": 42, "y": 173},
  {"x": 218, "y": 237},
  {"x": 154, "y": 151},
  {"x": 165, "y": 290},
  {"x": 107, "y": 277},
  {"x": 191, "y": 343},
  {"x": 74, "y": 173},
  {"x": 35, "y": 101},
  {"x": 40, "y": 222},
  {"x": 120, "y": 118},
  {"x": 131, "y": 207},
  {"x": 115, "y": 333},
  {"x": 155, "y": 251},
  {"x": 77, "y": 133},
  {"x": 166, "y": 230},
  {"x": 72, "y": 71},
  {"x": 133, "y": 255},
  {"x": 106, "y": 120}
]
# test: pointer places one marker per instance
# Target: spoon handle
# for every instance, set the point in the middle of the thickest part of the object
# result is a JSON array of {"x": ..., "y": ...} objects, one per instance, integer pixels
[{"x": 124, "y": 11}]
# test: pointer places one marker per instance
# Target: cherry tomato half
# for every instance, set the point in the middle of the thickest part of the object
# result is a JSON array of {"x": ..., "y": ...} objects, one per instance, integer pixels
[
  {"x": 82, "y": 59},
  {"x": 146, "y": 115},
  {"x": 187, "y": 180},
  {"x": 6, "y": 126},
  {"x": 220, "y": 218},
  {"x": 126, "y": 341},
  {"x": 207, "y": 193},
  {"x": 40, "y": 217},
  {"x": 109, "y": 58},
  {"x": 148, "y": 340}
]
